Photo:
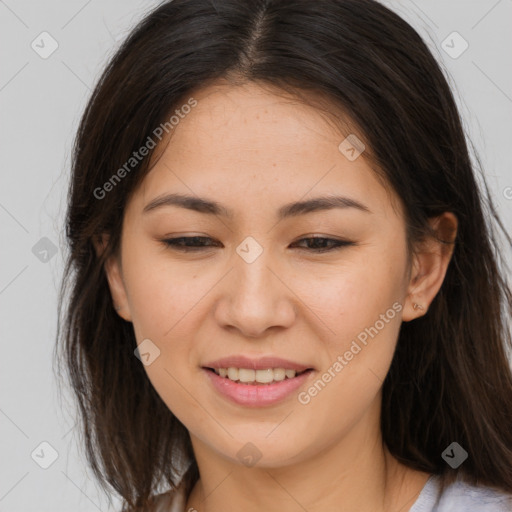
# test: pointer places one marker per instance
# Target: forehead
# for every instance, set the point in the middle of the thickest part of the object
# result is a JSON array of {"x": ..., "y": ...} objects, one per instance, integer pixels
[
  {"x": 244, "y": 143},
  {"x": 249, "y": 117}
]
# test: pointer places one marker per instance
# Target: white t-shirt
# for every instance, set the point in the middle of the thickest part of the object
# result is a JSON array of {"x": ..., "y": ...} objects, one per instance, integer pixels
[
  {"x": 457, "y": 497},
  {"x": 460, "y": 497}
]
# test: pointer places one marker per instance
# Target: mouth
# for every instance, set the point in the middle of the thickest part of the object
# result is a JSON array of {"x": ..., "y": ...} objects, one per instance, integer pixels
[
  {"x": 264, "y": 386},
  {"x": 256, "y": 381},
  {"x": 260, "y": 377}
]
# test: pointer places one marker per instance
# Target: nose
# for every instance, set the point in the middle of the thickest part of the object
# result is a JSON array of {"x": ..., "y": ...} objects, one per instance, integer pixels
[{"x": 255, "y": 298}]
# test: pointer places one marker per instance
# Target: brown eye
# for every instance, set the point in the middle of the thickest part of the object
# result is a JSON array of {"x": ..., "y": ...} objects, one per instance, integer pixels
[
  {"x": 198, "y": 243},
  {"x": 187, "y": 244},
  {"x": 322, "y": 244}
]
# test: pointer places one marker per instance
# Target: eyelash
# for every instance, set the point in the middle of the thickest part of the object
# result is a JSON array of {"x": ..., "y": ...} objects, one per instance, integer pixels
[{"x": 173, "y": 244}]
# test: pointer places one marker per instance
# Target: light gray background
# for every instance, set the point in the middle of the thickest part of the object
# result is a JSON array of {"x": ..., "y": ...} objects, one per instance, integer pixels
[{"x": 41, "y": 101}]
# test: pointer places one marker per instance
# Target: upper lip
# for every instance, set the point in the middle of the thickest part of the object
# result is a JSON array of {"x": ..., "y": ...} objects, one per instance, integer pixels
[{"x": 262, "y": 363}]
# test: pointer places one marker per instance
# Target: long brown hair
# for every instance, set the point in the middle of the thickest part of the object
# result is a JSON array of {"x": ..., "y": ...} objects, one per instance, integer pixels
[{"x": 450, "y": 379}]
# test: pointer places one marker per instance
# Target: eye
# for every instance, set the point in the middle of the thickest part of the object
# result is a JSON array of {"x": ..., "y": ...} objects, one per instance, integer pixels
[
  {"x": 187, "y": 243},
  {"x": 323, "y": 244},
  {"x": 198, "y": 243}
]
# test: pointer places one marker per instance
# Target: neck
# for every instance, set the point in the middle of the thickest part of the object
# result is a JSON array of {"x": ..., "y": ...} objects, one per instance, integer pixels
[{"x": 354, "y": 472}]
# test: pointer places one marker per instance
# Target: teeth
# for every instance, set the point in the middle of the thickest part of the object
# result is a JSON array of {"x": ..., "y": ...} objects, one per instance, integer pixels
[
  {"x": 264, "y": 376},
  {"x": 247, "y": 375},
  {"x": 279, "y": 374},
  {"x": 290, "y": 373},
  {"x": 233, "y": 373}
]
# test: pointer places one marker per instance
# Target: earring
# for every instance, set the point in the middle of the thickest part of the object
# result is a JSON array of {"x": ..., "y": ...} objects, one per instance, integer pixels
[
  {"x": 116, "y": 307},
  {"x": 417, "y": 306}
]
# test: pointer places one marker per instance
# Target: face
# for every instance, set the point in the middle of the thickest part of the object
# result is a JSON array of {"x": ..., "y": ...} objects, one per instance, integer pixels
[{"x": 256, "y": 284}]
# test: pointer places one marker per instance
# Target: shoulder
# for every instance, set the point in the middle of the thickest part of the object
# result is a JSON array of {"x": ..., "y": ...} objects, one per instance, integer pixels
[
  {"x": 476, "y": 498},
  {"x": 461, "y": 496}
]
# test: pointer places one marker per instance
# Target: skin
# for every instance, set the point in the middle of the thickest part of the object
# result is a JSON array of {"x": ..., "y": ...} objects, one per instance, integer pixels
[{"x": 254, "y": 151}]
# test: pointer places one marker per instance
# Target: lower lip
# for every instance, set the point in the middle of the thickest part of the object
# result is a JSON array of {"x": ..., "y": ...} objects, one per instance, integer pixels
[{"x": 256, "y": 395}]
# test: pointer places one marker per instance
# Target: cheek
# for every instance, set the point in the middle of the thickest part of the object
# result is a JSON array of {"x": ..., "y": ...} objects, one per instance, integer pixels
[
  {"x": 360, "y": 308},
  {"x": 161, "y": 294},
  {"x": 163, "y": 301},
  {"x": 356, "y": 296},
  {"x": 349, "y": 383}
]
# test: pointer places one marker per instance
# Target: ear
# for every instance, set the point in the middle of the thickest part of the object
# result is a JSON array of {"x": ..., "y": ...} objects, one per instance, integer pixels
[
  {"x": 430, "y": 263},
  {"x": 115, "y": 280}
]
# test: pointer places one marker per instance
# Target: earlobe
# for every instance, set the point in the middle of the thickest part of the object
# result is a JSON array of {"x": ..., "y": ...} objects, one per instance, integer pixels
[
  {"x": 430, "y": 265},
  {"x": 115, "y": 280},
  {"x": 117, "y": 288}
]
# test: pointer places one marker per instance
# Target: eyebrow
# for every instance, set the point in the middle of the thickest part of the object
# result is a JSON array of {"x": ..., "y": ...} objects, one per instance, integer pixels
[{"x": 210, "y": 207}]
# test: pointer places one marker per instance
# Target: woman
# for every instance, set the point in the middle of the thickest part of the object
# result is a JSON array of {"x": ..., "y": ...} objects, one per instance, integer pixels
[{"x": 285, "y": 293}]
